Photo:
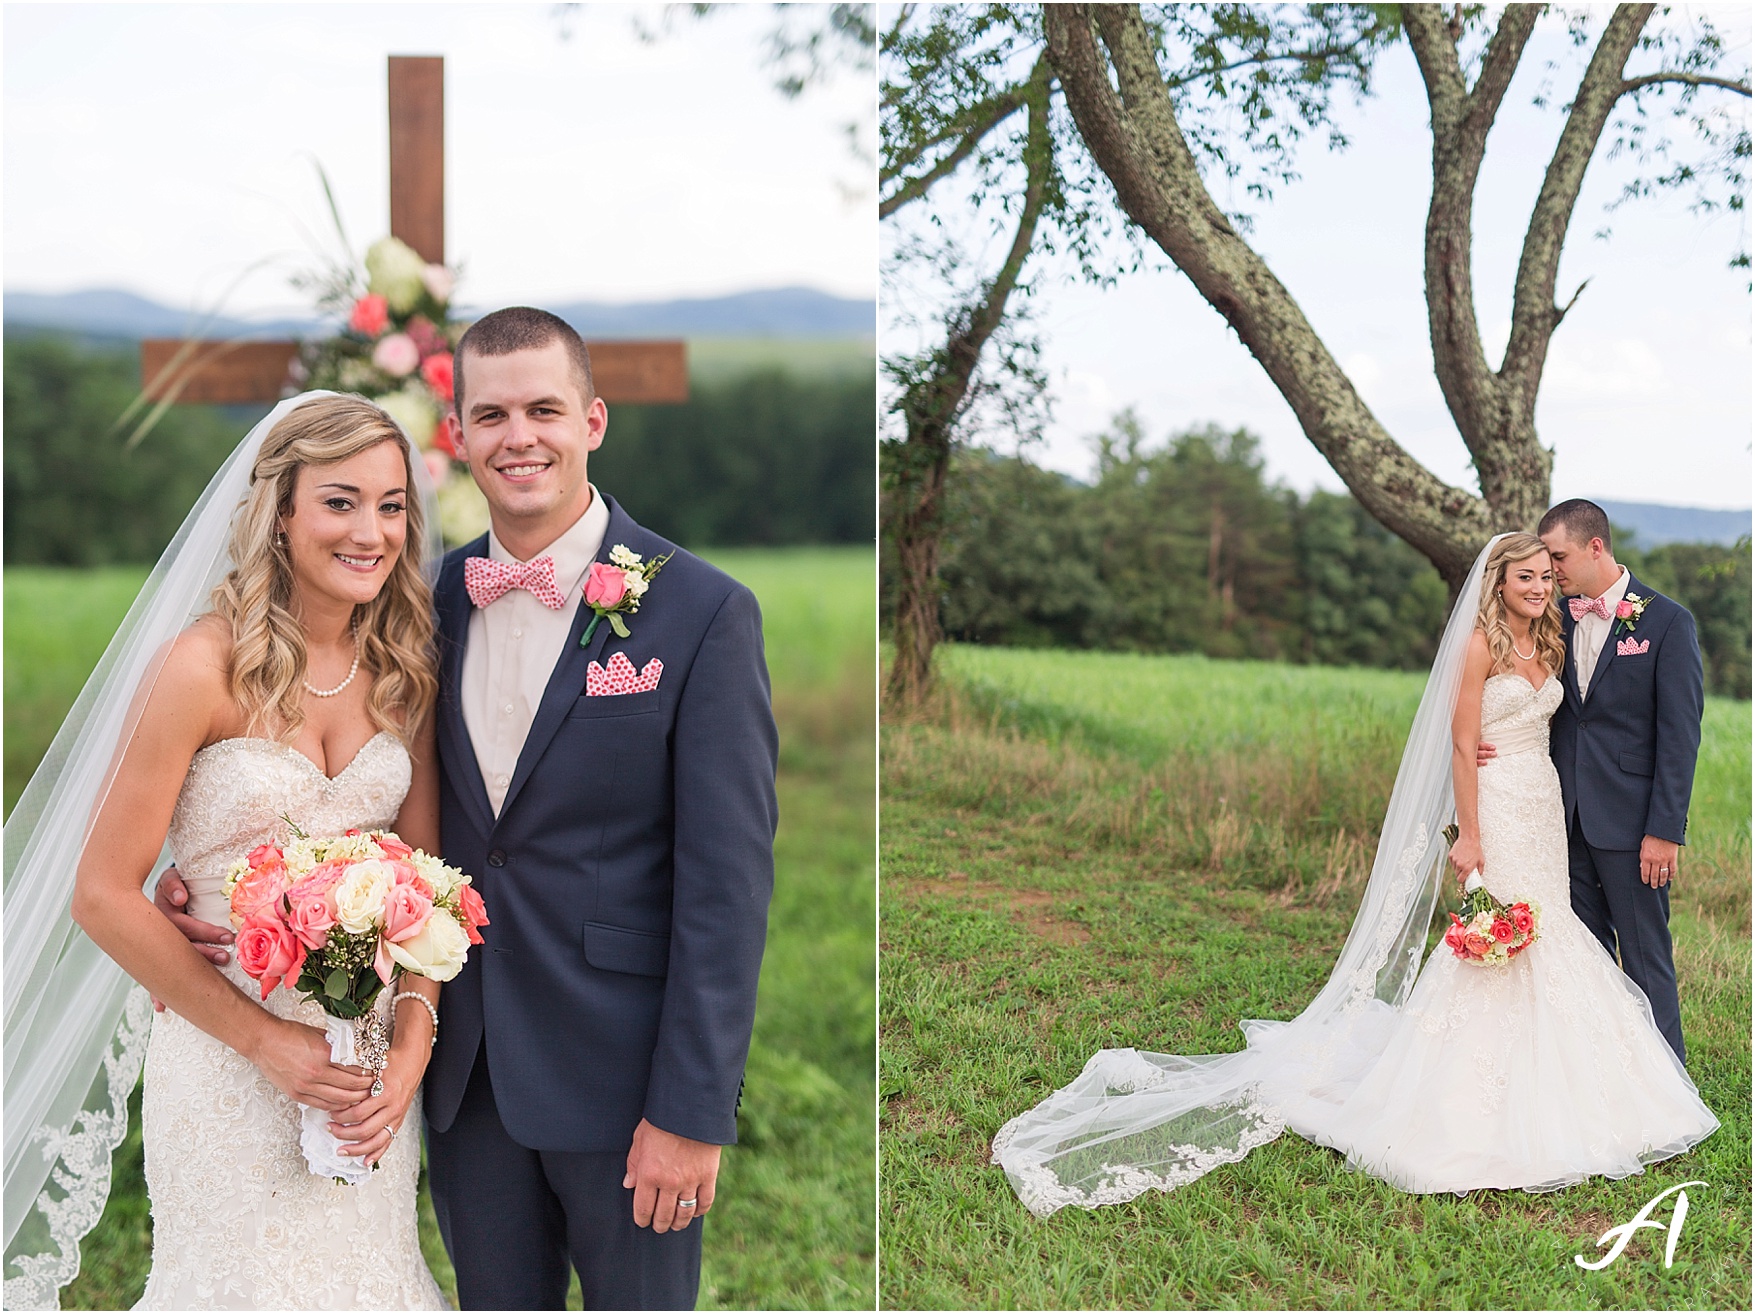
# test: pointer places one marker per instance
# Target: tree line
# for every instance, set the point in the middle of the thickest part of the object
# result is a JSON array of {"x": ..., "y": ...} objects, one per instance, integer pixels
[
  {"x": 1190, "y": 547},
  {"x": 768, "y": 458}
]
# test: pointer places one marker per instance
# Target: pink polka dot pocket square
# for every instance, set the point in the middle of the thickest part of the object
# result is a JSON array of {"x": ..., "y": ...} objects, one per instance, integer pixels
[
  {"x": 1632, "y": 647},
  {"x": 619, "y": 677}
]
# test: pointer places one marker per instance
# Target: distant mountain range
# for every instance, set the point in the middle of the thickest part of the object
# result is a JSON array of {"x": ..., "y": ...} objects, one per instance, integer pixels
[
  {"x": 1653, "y": 525},
  {"x": 783, "y": 312}
]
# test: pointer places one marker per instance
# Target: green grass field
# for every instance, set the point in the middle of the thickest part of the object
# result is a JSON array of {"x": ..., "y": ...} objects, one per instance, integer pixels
[
  {"x": 1082, "y": 850},
  {"x": 794, "y": 1224}
]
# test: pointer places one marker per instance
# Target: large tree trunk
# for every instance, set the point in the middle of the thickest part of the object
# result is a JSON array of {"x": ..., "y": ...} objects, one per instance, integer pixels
[
  {"x": 931, "y": 408},
  {"x": 1106, "y": 63}
]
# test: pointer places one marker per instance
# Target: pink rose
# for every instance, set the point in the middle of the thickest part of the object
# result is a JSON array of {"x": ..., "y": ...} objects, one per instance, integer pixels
[
  {"x": 393, "y": 848},
  {"x": 263, "y": 854},
  {"x": 270, "y": 952},
  {"x": 437, "y": 371},
  {"x": 405, "y": 873},
  {"x": 1522, "y": 918},
  {"x": 310, "y": 920},
  {"x": 427, "y": 337},
  {"x": 371, "y": 315},
  {"x": 396, "y": 355},
  {"x": 1623, "y": 609},
  {"x": 320, "y": 884},
  {"x": 474, "y": 911},
  {"x": 605, "y": 586},
  {"x": 406, "y": 912}
]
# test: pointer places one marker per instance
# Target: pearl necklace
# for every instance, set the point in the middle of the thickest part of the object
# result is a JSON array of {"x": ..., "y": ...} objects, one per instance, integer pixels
[
  {"x": 351, "y": 672},
  {"x": 1529, "y": 656}
]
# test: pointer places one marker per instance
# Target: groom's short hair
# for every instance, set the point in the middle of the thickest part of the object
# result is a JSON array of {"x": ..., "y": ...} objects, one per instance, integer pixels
[
  {"x": 521, "y": 328},
  {"x": 1581, "y": 520}
]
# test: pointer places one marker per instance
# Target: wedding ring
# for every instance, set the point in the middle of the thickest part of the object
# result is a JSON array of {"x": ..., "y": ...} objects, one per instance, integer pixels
[
  {"x": 391, "y": 1130},
  {"x": 687, "y": 1204}
]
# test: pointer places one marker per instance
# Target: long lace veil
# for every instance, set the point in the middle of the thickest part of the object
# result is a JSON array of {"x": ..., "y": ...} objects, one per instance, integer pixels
[
  {"x": 75, "y": 1025},
  {"x": 1134, "y": 1121}
]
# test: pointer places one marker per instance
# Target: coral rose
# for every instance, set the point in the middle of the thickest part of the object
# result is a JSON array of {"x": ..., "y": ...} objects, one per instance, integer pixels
[
  {"x": 605, "y": 586},
  {"x": 474, "y": 911},
  {"x": 371, "y": 315},
  {"x": 1476, "y": 943},
  {"x": 270, "y": 952},
  {"x": 1503, "y": 931},
  {"x": 257, "y": 893},
  {"x": 393, "y": 847},
  {"x": 1523, "y": 919},
  {"x": 438, "y": 373}
]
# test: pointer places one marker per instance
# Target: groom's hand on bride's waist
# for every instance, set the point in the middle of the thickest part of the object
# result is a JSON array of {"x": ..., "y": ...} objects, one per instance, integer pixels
[
  {"x": 170, "y": 898},
  {"x": 1484, "y": 753},
  {"x": 666, "y": 1172}
]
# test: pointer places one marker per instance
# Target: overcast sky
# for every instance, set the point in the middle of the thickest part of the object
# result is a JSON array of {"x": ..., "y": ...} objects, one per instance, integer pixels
[
  {"x": 166, "y": 149},
  {"x": 1646, "y": 396}
]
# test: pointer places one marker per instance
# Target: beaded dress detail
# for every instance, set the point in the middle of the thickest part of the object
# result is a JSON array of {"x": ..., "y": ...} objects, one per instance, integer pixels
[{"x": 239, "y": 1220}]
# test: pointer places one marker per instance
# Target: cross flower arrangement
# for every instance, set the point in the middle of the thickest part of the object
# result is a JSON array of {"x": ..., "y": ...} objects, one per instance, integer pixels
[
  {"x": 615, "y": 589},
  {"x": 396, "y": 347}
]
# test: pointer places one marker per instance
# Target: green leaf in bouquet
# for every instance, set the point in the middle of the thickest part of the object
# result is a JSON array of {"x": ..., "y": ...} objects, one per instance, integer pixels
[{"x": 336, "y": 986}]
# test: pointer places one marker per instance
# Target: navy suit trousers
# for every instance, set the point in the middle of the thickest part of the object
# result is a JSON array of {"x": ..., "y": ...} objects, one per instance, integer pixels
[
  {"x": 1624, "y": 912},
  {"x": 514, "y": 1219}
]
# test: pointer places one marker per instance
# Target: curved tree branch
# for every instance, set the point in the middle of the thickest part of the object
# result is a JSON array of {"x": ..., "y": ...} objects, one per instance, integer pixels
[
  {"x": 1135, "y": 139},
  {"x": 984, "y": 120},
  {"x": 1691, "y": 79}
]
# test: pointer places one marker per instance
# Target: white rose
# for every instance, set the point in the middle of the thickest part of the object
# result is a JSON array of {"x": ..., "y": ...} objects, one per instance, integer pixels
[
  {"x": 396, "y": 273},
  {"x": 359, "y": 898},
  {"x": 437, "y": 952}
]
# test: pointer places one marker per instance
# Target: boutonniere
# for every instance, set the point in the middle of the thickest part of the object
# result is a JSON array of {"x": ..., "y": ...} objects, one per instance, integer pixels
[
  {"x": 1628, "y": 611},
  {"x": 615, "y": 590}
]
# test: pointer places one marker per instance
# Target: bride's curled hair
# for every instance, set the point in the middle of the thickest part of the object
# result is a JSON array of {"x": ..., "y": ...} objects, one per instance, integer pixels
[
  {"x": 254, "y": 599},
  {"x": 1545, "y": 629}
]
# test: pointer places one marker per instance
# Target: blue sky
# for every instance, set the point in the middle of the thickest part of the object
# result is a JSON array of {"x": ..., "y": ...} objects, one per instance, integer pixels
[
  {"x": 1646, "y": 395},
  {"x": 167, "y": 149}
]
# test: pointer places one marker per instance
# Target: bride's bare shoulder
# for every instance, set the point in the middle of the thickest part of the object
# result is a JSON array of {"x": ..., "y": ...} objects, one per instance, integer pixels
[{"x": 195, "y": 676}]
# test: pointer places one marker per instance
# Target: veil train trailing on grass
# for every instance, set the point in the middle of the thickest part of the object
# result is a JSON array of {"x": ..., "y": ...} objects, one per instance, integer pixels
[{"x": 1569, "y": 1028}]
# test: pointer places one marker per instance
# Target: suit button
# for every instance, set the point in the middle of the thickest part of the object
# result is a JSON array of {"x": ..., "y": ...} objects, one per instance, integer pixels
[{"x": 497, "y": 858}]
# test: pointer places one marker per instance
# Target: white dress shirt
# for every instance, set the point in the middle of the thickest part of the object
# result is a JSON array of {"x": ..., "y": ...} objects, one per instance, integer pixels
[
  {"x": 1589, "y": 634},
  {"x": 513, "y": 646}
]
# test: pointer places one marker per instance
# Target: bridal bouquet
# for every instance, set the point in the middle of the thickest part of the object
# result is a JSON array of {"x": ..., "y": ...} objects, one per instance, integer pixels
[
  {"x": 1488, "y": 932},
  {"x": 1491, "y": 932},
  {"x": 336, "y": 918}
]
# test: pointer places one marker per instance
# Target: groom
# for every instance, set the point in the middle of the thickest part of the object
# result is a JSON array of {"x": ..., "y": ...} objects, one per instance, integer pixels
[
  {"x": 613, "y": 798},
  {"x": 1624, "y": 742}
]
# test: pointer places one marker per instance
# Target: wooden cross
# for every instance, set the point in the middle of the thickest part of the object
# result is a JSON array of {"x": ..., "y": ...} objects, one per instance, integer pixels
[{"x": 256, "y": 371}]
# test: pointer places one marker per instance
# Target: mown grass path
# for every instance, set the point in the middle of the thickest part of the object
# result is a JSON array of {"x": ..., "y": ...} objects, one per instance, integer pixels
[
  {"x": 1091, "y": 850},
  {"x": 793, "y": 1227}
]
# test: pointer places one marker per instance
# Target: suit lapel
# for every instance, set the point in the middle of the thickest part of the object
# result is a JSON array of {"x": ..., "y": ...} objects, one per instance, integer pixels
[
  {"x": 1569, "y": 666},
  {"x": 567, "y": 681},
  {"x": 451, "y": 602}
]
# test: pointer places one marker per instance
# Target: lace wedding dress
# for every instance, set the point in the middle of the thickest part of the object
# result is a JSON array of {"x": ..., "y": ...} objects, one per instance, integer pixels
[
  {"x": 1537, "y": 1074},
  {"x": 1533, "y": 1075},
  {"x": 239, "y": 1220}
]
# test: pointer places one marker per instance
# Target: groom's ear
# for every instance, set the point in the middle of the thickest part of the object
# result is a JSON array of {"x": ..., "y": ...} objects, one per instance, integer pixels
[{"x": 454, "y": 433}]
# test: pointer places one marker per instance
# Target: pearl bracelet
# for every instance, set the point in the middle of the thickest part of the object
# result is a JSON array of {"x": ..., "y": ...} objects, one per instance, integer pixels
[{"x": 424, "y": 1003}]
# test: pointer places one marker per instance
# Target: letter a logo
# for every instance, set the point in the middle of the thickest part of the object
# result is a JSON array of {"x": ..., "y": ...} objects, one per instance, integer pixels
[{"x": 1624, "y": 1233}]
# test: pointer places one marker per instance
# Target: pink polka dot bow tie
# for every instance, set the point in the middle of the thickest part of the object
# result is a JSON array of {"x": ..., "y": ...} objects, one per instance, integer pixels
[
  {"x": 1582, "y": 607},
  {"x": 488, "y": 580}
]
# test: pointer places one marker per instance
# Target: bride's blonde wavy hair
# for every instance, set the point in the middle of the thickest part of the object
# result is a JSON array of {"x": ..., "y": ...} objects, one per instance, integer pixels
[
  {"x": 268, "y": 644},
  {"x": 1545, "y": 629}
]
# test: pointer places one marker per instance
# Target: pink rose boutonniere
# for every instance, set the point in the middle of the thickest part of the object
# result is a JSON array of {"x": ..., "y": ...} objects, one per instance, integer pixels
[
  {"x": 1628, "y": 611},
  {"x": 615, "y": 589}
]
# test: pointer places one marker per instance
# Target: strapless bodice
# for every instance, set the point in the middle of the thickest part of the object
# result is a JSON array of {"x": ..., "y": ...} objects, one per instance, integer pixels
[
  {"x": 243, "y": 792},
  {"x": 1515, "y": 714}
]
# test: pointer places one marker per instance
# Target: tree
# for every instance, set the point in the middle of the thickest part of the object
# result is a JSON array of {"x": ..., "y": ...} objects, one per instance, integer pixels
[
  {"x": 1110, "y": 61},
  {"x": 955, "y": 80}
]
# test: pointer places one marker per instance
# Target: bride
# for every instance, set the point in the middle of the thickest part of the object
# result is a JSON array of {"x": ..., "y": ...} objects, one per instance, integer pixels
[
  {"x": 1533, "y": 1075},
  {"x": 301, "y": 697}
]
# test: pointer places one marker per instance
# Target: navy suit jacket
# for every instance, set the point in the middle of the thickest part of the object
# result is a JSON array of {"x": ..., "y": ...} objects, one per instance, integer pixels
[
  {"x": 1626, "y": 752},
  {"x": 626, "y": 878}
]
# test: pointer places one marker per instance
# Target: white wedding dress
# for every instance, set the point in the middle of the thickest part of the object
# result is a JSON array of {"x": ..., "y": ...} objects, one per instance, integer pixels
[
  {"x": 1534, "y": 1075},
  {"x": 239, "y": 1220}
]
